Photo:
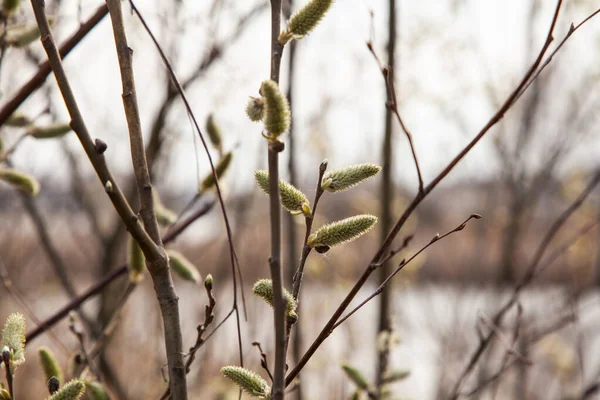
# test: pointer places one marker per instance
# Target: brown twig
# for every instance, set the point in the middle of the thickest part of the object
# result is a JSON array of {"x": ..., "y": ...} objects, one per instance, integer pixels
[
  {"x": 392, "y": 105},
  {"x": 44, "y": 69},
  {"x": 263, "y": 359},
  {"x": 9, "y": 373},
  {"x": 325, "y": 332},
  {"x": 402, "y": 264}
]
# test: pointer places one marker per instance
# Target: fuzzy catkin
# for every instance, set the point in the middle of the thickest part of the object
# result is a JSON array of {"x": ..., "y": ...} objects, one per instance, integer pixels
[
  {"x": 277, "y": 109},
  {"x": 305, "y": 20},
  {"x": 72, "y": 390},
  {"x": 342, "y": 231},
  {"x": 264, "y": 289},
  {"x": 49, "y": 364},
  {"x": 25, "y": 183},
  {"x": 249, "y": 381},
  {"x": 292, "y": 199},
  {"x": 13, "y": 339},
  {"x": 221, "y": 167},
  {"x": 341, "y": 179}
]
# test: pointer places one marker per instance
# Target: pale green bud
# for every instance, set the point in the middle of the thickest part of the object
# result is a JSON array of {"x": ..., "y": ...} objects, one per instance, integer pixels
[
  {"x": 136, "y": 261},
  {"x": 4, "y": 394},
  {"x": 23, "y": 36},
  {"x": 183, "y": 267},
  {"x": 396, "y": 376},
  {"x": 221, "y": 167},
  {"x": 18, "y": 120},
  {"x": 13, "y": 339},
  {"x": 72, "y": 390},
  {"x": 10, "y": 6},
  {"x": 292, "y": 199},
  {"x": 96, "y": 391},
  {"x": 214, "y": 133},
  {"x": 164, "y": 215},
  {"x": 342, "y": 231},
  {"x": 305, "y": 20},
  {"x": 345, "y": 178},
  {"x": 50, "y": 131},
  {"x": 247, "y": 380},
  {"x": 264, "y": 288},
  {"x": 49, "y": 364},
  {"x": 255, "y": 109},
  {"x": 208, "y": 282},
  {"x": 277, "y": 109},
  {"x": 356, "y": 376},
  {"x": 25, "y": 183}
]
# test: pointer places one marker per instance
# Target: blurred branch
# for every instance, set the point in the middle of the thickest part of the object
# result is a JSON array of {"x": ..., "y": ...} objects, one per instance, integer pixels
[
  {"x": 44, "y": 69},
  {"x": 530, "y": 274}
]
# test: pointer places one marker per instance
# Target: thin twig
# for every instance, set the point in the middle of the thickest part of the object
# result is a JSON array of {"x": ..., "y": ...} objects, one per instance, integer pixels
[
  {"x": 402, "y": 264},
  {"x": 190, "y": 113},
  {"x": 9, "y": 373},
  {"x": 529, "y": 276}
]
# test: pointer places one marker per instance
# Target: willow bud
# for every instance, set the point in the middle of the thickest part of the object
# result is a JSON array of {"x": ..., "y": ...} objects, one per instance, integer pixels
[
  {"x": 305, "y": 20},
  {"x": 342, "y": 231},
  {"x": 25, "y": 183},
  {"x": 49, "y": 132},
  {"x": 277, "y": 109},
  {"x": 136, "y": 261},
  {"x": 247, "y": 380},
  {"x": 356, "y": 376},
  {"x": 13, "y": 339},
  {"x": 222, "y": 166},
  {"x": 345, "y": 178},
  {"x": 214, "y": 133},
  {"x": 72, "y": 390},
  {"x": 264, "y": 289},
  {"x": 292, "y": 199},
  {"x": 49, "y": 364},
  {"x": 10, "y": 6},
  {"x": 255, "y": 109},
  {"x": 96, "y": 391},
  {"x": 183, "y": 267}
]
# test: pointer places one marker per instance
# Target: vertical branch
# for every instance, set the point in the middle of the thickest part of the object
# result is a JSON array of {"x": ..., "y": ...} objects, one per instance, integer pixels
[
  {"x": 157, "y": 266},
  {"x": 386, "y": 202},
  {"x": 275, "y": 147},
  {"x": 292, "y": 258}
]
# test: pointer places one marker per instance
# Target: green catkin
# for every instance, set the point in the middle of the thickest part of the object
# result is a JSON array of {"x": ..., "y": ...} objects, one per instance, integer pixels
[
  {"x": 72, "y": 390},
  {"x": 292, "y": 199},
  {"x": 10, "y": 6},
  {"x": 136, "y": 261},
  {"x": 222, "y": 166},
  {"x": 17, "y": 120},
  {"x": 303, "y": 21},
  {"x": 49, "y": 364},
  {"x": 164, "y": 215},
  {"x": 183, "y": 267},
  {"x": 356, "y": 376},
  {"x": 342, "y": 231},
  {"x": 247, "y": 380},
  {"x": 96, "y": 391},
  {"x": 13, "y": 339},
  {"x": 214, "y": 133},
  {"x": 22, "y": 37},
  {"x": 396, "y": 376},
  {"x": 255, "y": 109},
  {"x": 50, "y": 131},
  {"x": 345, "y": 178},
  {"x": 277, "y": 109},
  {"x": 25, "y": 183},
  {"x": 264, "y": 289}
]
